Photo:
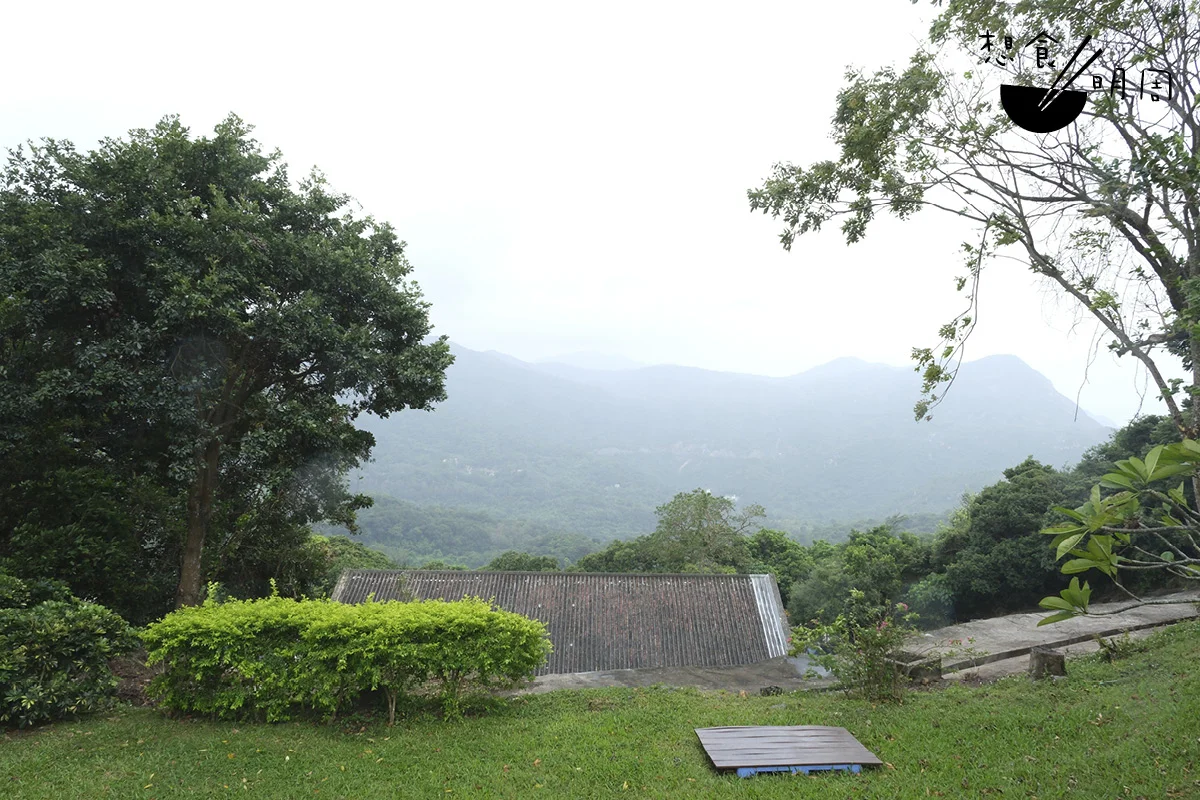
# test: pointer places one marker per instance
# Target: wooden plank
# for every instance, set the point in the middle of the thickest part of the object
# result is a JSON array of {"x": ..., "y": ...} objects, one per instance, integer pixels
[{"x": 788, "y": 746}]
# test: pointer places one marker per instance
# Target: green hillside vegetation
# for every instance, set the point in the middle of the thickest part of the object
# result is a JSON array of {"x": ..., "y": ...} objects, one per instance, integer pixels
[
  {"x": 414, "y": 535},
  {"x": 988, "y": 559},
  {"x": 594, "y": 451}
]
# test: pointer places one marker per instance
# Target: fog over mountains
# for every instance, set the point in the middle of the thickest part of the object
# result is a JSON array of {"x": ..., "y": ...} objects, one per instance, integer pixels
[{"x": 593, "y": 449}]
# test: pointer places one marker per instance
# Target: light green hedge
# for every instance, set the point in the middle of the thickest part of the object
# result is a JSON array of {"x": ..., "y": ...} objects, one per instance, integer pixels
[{"x": 274, "y": 657}]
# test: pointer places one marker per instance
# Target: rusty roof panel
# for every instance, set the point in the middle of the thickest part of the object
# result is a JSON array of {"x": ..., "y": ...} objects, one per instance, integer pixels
[{"x": 603, "y": 621}]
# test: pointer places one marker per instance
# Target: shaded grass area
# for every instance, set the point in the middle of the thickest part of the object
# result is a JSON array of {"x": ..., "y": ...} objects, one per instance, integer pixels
[{"x": 1122, "y": 729}]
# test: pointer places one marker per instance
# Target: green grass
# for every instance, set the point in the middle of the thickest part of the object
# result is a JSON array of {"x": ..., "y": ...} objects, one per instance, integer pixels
[{"x": 1125, "y": 729}]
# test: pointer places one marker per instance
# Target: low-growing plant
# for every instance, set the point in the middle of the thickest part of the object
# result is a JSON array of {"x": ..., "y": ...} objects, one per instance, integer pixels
[
  {"x": 859, "y": 647},
  {"x": 274, "y": 657},
  {"x": 54, "y": 655},
  {"x": 1114, "y": 648}
]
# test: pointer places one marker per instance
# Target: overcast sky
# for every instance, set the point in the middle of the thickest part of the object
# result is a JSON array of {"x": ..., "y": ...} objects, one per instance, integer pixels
[{"x": 567, "y": 176}]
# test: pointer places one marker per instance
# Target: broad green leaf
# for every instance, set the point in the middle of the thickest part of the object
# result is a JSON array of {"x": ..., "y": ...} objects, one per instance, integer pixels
[
  {"x": 1059, "y": 617},
  {"x": 1152, "y": 459},
  {"x": 1080, "y": 596},
  {"x": 1139, "y": 468},
  {"x": 1066, "y": 544},
  {"x": 1055, "y": 602},
  {"x": 1168, "y": 470},
  {"x": 1076, "y": 565},
  {"x": 1127, "y": 469},
  {"x": 1070, "y": 512},
  {"x": 1114, "y": 480},
  {"x": 1060, "y": 529},
  {"x": 1167, "y": 555},
  {"x": 1167, "y": 519}
]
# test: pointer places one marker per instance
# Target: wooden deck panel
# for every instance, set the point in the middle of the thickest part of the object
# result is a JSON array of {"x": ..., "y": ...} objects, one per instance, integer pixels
[{"x": 783, "y": 746}]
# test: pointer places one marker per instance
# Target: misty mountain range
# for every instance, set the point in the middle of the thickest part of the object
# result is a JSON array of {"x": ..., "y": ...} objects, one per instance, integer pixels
[{"x": 594, "y": 449}]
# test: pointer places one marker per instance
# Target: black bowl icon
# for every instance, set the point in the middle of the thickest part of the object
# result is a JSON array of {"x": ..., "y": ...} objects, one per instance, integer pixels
[{"x": 1021, "y": 103}]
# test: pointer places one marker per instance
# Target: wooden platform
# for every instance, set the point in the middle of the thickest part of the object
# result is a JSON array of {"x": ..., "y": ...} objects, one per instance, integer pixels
[{"x": 784, "y": 748}]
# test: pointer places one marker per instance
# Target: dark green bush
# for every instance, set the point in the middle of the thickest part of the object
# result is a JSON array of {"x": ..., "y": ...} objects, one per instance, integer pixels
[
  {"x": 932, "y": 600},
  {"x": 14, "y": 593},
  {"x": 275, "y": 657},
  {"x": 54, "y": 657}
]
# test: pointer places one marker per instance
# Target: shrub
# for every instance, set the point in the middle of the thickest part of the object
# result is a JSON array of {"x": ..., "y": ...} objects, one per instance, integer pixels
[
  {"x": 14, "y": 593},
  {"x": 859, "y": 647},
  {"x": 274, "y": 657},
  {"x": 54, "y": 658},
  {"x": 932, "y": 601}
]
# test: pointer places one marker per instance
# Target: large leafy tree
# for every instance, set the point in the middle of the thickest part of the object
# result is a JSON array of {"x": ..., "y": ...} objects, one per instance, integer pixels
[
  {"x": 701, "y": 532},
  {"x": 1106, "y": 209},
  {"x": 175, "y": 309},
  {"x": 697, "y": 531}
]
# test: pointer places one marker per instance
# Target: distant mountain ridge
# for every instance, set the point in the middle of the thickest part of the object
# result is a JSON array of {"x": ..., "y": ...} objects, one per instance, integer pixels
[{"x": 594, "y": 451}]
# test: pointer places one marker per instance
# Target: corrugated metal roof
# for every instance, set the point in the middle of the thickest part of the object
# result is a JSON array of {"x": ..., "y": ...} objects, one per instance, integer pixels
[{"x": 601, "y": 621}]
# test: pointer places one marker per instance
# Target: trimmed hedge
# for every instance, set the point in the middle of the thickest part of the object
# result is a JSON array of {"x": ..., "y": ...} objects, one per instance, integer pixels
[
  {"x": 274, "y": 657},
  {"x": 54, "y": 652}
]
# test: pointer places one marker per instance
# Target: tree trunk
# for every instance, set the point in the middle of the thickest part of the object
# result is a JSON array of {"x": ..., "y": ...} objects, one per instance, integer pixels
[
  {"x": 1043, "y": 661},
  {"x": 199, "y": 509}
]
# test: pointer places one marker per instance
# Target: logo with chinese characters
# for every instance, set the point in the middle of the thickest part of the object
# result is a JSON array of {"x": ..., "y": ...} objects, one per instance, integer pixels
[{"x": 1049, "y": 109}]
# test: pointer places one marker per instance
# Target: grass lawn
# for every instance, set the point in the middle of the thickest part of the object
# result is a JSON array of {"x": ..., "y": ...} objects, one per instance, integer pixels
[{"x": 1126, "y": 729}]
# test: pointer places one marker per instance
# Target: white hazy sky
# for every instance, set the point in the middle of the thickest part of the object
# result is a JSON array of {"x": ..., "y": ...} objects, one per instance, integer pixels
[{"x": 568, "y": 176}]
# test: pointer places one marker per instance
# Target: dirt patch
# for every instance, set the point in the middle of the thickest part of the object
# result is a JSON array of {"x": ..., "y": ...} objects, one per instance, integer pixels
[{"x": 133, "y": 677}]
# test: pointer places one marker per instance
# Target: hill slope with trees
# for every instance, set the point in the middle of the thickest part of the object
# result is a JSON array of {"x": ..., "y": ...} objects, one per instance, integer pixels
[{"x": 593, "y": 452}]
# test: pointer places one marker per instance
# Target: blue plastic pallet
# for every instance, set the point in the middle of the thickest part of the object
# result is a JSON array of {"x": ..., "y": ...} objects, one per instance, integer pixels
[{"x": 749, "y": 772}]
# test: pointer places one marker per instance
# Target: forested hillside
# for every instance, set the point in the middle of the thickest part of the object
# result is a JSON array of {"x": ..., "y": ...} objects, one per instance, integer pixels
[{"x": 593, "y": 452}]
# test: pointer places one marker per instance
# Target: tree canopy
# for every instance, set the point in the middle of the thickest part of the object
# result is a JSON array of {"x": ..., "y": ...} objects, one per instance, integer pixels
[
  {"x": 1105, "y": 209},
  {"x": 179, "y": 319},
  {"x": 697, "y": 531}
]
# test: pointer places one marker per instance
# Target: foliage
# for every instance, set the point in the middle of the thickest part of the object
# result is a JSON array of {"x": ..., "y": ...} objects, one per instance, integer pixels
[
  {"x": 336, "y": 554},
  {"x": 822, "y": 594},
  {"x": 1105, "y": 210},
  {"x": 991, "y": 555},
  {"x": 514, "y": 561},
  {"x": 859, "y": 647},
  {"x": 932, "y": 601},
  {"x": 442, "y": 565},
  {"x": 777, "y": 553},
  {"x": 275, "y": 657},
  {"x": 412, "y": 534},
  {"x": 54, "y": 655},
  {"x": 1124, "y": 646},
  {"x": 1144, "y": 526},
  {"x": 696, "y": 532},
  {"x": 13, "y": 592},
  {"x": 879, "y": 563},
  {"x": 120, "y": 547},
  {"x": 518, "y": 455},
  {"x": 1080, "y": 737},
  {"x": 189, "y": 319}
]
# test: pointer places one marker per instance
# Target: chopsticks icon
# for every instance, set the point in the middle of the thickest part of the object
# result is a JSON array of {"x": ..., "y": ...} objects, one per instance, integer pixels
[{"x": 1055, "y": 90}]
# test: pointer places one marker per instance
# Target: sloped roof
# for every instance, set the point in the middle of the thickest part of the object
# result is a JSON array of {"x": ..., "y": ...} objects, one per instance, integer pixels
[{"x": 602, "y": 621}]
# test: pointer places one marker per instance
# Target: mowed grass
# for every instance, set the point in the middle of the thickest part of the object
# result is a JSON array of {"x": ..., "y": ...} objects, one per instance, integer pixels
[{"x": 1126, "y": 729}]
